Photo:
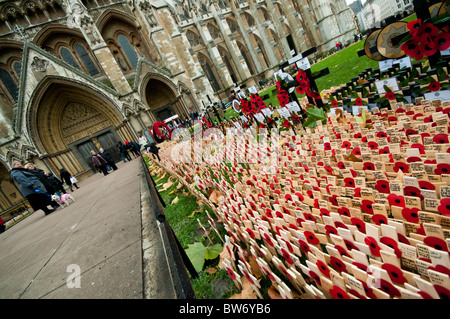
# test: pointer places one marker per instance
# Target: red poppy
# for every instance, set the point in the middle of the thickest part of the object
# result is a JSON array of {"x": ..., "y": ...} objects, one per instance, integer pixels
[
  {"x": 360, "y": 266},
  {"x": 344, "y": 211},
  {"x": 401, "y": 166},
  {"x": 384, "y": 150},
  {"x": 390, "y": 96},
  {"x": 396, "y": 200},
  {"x": 395, "y": 273},
  {"x": 338, "y": 293},
  {"x": 443, "y": 292},
  {"x": 420, "y": 230},
  {"x": 349, "y": 182},
  {"x": 373, "y": 246},
  {"x": 304, "y": 246},
  {"x": 413, "y": 49},
  {"x": 412, "y": 191},
  {"x": 357, "y": 135},
  {"x": 427, "y": 29},
  {"x": 323, "y": 268},
  {"x": 315, "y": 276},
  {"x": 357, "y": 192},
  {"x": 382, "y": 186},
  {"x": 333, "y": 200},
  {"x": 334, "y": 103},
  {"x": 359, "y": 102},
  {"x": 340, "y": 165},
  {"x": 411, "y": 214},
  {"x": 434, "y": 86},
  {"x": 372, "y": 145},
  {"x": 381, "y": 134},
  {"x": 436, "y": 243},
  {"x": 356, "y": 151},
  {"x": 346, "y": 144},
  {"x": 311, "y": 238},
  {"x": 361, "y": 225},
  {"x": 286, "y": 123},
  {"x": 287, "y": 257},
  {"x": 388, "y": 288},
  {"x": 440, "y": 268},
  {"x": 388, "y": 241},
  {"x": 268, "y": 239},
  {"x": 368, "y": 166},
  {"x": 442, "y": 168},
  {"x": 231, "y": 273},
  {"x": 340, "y": 225},
  {"x": 366, "y": 206},
  {"x": 426, "y": 185},
  {"x": 329, "y": 169},
  {"x": 413, "y": 26},
  {"x": 440, "y": 138},
  {"x": 442, "y": 41},
  {"x": 338, "y": 264},
  {"x": 444, "y": 207},
  {"x": 341, "y": 250},
  {"x": 403, "y": 239},
  {"x": 309, "y": 217},
  {"x": 350, "y": 245},
  {"x": 379, "y": 219}
]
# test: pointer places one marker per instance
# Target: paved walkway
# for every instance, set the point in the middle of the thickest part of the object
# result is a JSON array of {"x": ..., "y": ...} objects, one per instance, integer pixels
[{"x": 104, "y": 233}]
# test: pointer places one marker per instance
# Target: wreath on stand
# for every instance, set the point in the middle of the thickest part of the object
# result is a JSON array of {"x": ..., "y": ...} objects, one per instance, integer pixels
[{"x": 161, "y": 132}]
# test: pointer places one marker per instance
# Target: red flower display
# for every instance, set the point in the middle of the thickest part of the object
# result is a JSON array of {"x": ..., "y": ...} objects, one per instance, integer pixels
[
  {"x": 388, "y": 241},
  {"x": 366, "y": 206},
  {"x": 368, "y": 166},
  {"x": 434, "y": 86},
  {"x": 286, "y": 123},
  {"x": 388, "y": 288},
  {"x": 436, "y": 243},
  {"x": 396, "y": 200},
  {"x": 401, "y": 166},
  {"x": 442, "y": 168},
  {"x": 413, "y": 26},
  {"x": 372, "y": 145},
  {"x": 379, "y": 219},
  {"x": 444, "y": 207},
  {"x": 283, "y": 98},
  {"x": 443, "y": 292},
  {"x": 359, "y": 102},
  {"x": 349, "y": 182},
  {"x": 361, "y": 225},
  {"x": 344, "y": 211},
  {"x": 410, "y": 214},
  {"x": 338, "y": 264},
  {"x": 440, "y": 138},
  {"x": 395, "y": 273},
  {"x": 382, "y": 186},
  {"x": 427, "y": 185},
  {"x": 338, "y": 293},
  {"x": 373, "y": 246},
  {"x": 311, "y": 238},
  {"x": 390, "y": 96},
  {"x": 323, "y": 268}
]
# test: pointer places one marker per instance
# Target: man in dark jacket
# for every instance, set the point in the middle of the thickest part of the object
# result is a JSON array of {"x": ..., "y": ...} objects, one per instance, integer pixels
[
  {"x": 99, "y": 162},
  {"x": 108, "y": 158},
  {"x": 42, "y": 176},
  {"x": 154, "y": 150},
  {"x": 123, "y": 152}
]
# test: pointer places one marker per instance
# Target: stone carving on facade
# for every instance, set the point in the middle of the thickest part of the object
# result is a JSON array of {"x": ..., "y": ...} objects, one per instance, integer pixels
[
  {"x": 75, "y": 11},
  {"x": 39, "y": 65},
  {"x": 146, "y": 8}
]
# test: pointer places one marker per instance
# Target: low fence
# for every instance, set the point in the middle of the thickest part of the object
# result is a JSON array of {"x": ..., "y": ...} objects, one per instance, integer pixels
[{"x": 181, "y": 266}]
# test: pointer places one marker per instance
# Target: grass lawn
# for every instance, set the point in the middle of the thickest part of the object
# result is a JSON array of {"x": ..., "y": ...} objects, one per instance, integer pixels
[{"x": 343, "y": 65}]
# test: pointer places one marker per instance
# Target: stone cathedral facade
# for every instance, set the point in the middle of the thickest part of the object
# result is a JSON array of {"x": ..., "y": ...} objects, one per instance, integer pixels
[{"x": 77, "y": 75}]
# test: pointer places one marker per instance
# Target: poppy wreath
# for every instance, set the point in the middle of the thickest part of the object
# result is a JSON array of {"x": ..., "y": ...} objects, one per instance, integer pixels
[
  {"x": 283, "y": 98},
  {"x": 247, "y": 107},
  {"x": 257, "y": 102},
  {"x": 159, "y": 133},
  {"x": 426, "y": 39}
]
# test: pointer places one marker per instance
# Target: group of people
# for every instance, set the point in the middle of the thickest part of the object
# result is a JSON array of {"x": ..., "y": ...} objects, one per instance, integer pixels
[{"x": 38, "y": 186}]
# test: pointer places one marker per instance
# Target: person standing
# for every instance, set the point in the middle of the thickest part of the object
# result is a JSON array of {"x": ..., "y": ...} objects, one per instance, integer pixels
[
  {"x": 32, "y": 189},
  {"x": 154, "y": 150},
  {"x": 123, "y": 152},
  {"x": 42, "y": 176},
  {"x": 108, "y": 158},
  {"x": 143, "y": 141},
  {"x": 57, "y": 184},
  {"x": 67, "y": 178},
  {"x": 99, "y": 162}
]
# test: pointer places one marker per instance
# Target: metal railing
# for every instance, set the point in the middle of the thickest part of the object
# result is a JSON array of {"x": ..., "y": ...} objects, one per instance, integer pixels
[{"x": 176, "y": 255}]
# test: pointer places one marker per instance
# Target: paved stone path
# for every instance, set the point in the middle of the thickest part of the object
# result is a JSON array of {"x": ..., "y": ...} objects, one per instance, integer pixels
[{"x": 101, "y": 233}]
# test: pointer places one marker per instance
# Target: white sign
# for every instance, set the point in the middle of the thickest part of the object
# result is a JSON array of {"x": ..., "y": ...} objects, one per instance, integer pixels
[
  {"x": 267, "y": 112},
  {"x": 438, "y": 95},
  {"x": 295, "y": 58},
  {"x": 259, "y": 117},
  {"x": 384, "y": 65},
  {"x": 356, "y": 108},
  {"x": 404, "y": 62},
  {"x": 293, "y": 106},
  {"x": 253, "y": 90},
  {"x": 284, "y": 112},
  {"x": 304, "y": 64},
  {"x": 391, "y": 82}
]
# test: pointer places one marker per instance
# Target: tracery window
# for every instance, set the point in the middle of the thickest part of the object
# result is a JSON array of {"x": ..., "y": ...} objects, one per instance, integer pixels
[
  {"x": 86, "y": 59},
  {"x": 128, "y": 50},
  {"x": 9, "y": 83}
]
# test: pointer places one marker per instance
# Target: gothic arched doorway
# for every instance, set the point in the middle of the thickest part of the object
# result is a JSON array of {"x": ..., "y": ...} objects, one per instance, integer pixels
[
  {"x": 163, "y": 100},
  {"x": 67, "y": 120}
]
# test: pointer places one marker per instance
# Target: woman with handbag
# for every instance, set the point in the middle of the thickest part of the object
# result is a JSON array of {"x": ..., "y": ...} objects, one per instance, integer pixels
[
  {"x": 66, "y": 177},
  {"x": 32, "y": 189}
]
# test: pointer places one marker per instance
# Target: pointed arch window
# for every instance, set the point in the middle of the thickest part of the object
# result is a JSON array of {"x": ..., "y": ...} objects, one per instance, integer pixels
[
  {"x": 86, "y": 59},
  {"x": 9, "y": 83},
  {"x": 68, "y": 57},
  {"x": 17, "y": 66},
  {"x": 128, "y": 50}
]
